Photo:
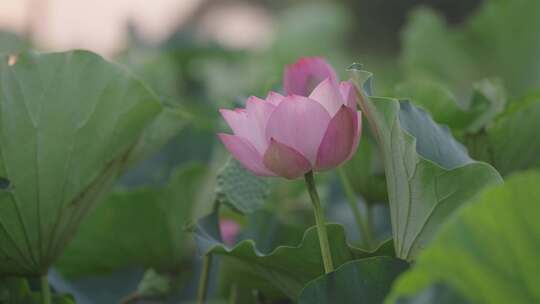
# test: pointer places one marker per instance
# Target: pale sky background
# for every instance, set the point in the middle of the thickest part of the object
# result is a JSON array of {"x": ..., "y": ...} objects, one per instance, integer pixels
[{"x": 100, "y": 25}]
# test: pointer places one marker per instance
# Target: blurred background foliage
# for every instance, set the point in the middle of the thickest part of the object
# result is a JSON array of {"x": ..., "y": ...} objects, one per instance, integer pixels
[{"x": 472, "y": 64}]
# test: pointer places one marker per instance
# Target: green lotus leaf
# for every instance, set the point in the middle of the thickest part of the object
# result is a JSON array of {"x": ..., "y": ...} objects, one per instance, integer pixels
[
  {"x": 429, "y": 174},
  {"x": 486, "y": 253},
  {"x": 286, "y": 269},
  {"x": 68, "y": 122}
]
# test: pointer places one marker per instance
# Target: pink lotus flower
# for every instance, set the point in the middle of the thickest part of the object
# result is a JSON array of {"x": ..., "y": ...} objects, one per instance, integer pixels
[{"x": 314, "y": 127}]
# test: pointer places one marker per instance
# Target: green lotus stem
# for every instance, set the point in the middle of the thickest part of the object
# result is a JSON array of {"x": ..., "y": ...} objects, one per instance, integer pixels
[
  {"x": 233, "y": 295},
  {"x": 321, "y": 224},
  {"x": 205, "y": 276},
  {"x": 369, "y": 223},
  {"x": 45, "y": 290},
  {"x": 364, "y": 226}
]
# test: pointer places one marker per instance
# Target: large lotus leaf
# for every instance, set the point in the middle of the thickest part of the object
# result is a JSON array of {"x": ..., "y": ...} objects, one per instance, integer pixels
[
  {"x": 429, "y": 174},
  {"x": 286, "y": 269},
  {"x": 139, "y": 227},
  {"x": 500, "y": 39},
  {"x": 363, "y": 281},
  {"x": 488, "y": 252},
  {"x": 67, "y": 124}
]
